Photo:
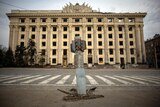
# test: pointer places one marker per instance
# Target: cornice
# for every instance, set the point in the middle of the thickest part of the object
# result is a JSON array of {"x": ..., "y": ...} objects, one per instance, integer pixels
[{"x": 92, "y": 14}]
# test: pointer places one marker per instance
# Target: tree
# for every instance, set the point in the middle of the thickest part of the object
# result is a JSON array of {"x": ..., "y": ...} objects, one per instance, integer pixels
[
  {"x": 9, "y": 58},
  {"x": 20, "y": 53},
  {"x": 31, "y": 52},
  {"x": 2, "y": 55}
]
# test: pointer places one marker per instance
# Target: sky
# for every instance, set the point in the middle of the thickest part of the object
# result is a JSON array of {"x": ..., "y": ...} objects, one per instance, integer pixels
[{"x": 151, "y": 21}]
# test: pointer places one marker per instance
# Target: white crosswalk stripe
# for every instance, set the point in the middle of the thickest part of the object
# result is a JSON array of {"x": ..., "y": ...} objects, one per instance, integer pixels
[
  {"x": 34, "y": 79},
  {"x": 146, "y": 80},
  {"x": 119, "y": 80},
  {"x": 20, "y": 79},
  {"x": 91, "y": 80},
  {"x": 105, "y": 80},
  {"x": 131, "y": 79},
  {"x": 49, "y": 79},
  {"x": 2, "y": 77},
  {"x": 63, "y": 80},
  {"x": 74, "y": 80},
  {"x": 12, "y": 77}
]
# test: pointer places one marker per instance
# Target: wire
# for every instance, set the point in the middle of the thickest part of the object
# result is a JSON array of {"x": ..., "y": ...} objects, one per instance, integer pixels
[{"x": 12, "y": 5}]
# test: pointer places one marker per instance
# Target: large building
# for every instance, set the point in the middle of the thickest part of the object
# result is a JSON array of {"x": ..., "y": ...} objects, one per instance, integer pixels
[{"x": 111, "y": 38}]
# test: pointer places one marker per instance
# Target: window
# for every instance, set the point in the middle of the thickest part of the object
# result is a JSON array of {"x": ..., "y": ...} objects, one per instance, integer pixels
[
  {"x": 89, "y": 28},
  {"x": 54, "y": 20},
  {"x": 53, "y": 60},
  {"x": 22, "y": 44},
  {"x": 33, "y": 20},
  {"x": 120, "y": 28},
  {"x": 110, "y": 35},
  {"x": 64, "y": 51},
  {"x": 43, "y": 36},
  {"x": 33, "y": 29},
  {"x": 89, "y": 51},
  {"x": 54, "y": 52},
  {"x": 77, "y": 35},
  {"x": 54, "y": 36},
  {"x": 100, "y": 43},
  {"x": 33, "y": 36},
  {"x": 89, "y": 36},
  {"x": 111, "y": 59},
  {"x": 131, "y": 19},
  {"x": 77, "y": 29},
  {"x": 54, "y": 28},
  {"x": 111, "y": 51},
  {"x": 130, "y": 28},
  {"x": 121, "y": 51},
  {"x": 89, "y": 20},
  {"x": 132, "y": 51},
  {"x": 22, "y": 36},
  {"x": 53, "y": 43},
  {"x": 130, "y": 35},
  {"x": 132, "y": 60},
  {"x": 65, "y": 28},
  {"x": 43, "y": 43},
  {"x": 120, "y": 19},
  {"x": 89, "y": 43},
  {"x": 100, "y": 51},
  {"x": 64, "y": 36},
  {"x": 131, "y": 43},
  {"x": 22, "y": 29},
  {"x": 120, "y": 36},
  {"x": 110, "y": 43},
  {"x": 110, "y": 20},
  {"x": 44, "y": 20},
  {"x": 99, "y": 35},
  {"x": 121, "y": 43},
  {"x": 43, "y": 52},
  {"x": 109, "y": 28},
  {"x": 22, "y": 20},
  {"x": 99, "y": 19},
  {"x": 64, "y": 43},
  {"x": 77, "y": 20},
  {"x": 100, "y": 60},
  {"x": 43, "y": 29},
  {"x": 99, "y": 28},
  {"x": 65, "y": 19}
]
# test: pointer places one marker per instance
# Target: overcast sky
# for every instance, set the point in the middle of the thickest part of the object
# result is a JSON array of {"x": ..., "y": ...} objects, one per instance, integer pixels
[{"x": 151, "y": 21}]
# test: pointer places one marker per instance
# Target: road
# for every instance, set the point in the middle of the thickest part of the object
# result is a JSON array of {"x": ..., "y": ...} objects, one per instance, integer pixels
[{"x": 37, "y": 87}]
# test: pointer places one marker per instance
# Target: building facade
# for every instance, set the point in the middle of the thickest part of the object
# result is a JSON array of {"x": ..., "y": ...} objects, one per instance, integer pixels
[
  {"x": 111, "y": 38},
  {"x": 153, "y": 51}
]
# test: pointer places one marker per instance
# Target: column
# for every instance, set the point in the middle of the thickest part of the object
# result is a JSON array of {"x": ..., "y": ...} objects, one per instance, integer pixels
[
  {"x": 11, "y": 37},
  {"x": 84, "y": 38},
  {"x": 142, "y": 44},
  {"x": 127, "y": 45},
  {"x": 16, "y": 33},
  {"x": 105, "y": 44},
  {"x": 116, "y": 44},
  {"x": 138, "y": 44},
  {"x": 59, "y": 43},
  {"x": 69, "y": 57},
  {"x": 37, "y": 36},
  {"x": 95, "y": 58},
  {"x": 49, "y": 44},
  {"x": 27, "y": 35}
]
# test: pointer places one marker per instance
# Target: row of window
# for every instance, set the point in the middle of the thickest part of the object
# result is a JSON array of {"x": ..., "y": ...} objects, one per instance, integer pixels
[
  {"x": 54, "y": 36},
  {"x": 43, "y": 20},
  {"x": 65, "y": 28}
]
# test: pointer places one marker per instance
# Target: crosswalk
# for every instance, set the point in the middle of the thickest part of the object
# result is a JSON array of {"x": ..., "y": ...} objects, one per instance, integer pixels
[{"x": 70, "y": 80}]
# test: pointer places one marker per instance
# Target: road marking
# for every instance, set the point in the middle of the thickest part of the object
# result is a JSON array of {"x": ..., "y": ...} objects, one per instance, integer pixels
[
  {"x": 13, "y": 77},
  {"x": 131, "y": 79},
  {"x": 2, "y": 77},
  {"x": 34, "y": 79},
  {"x": 91, "y": 80},
  {"x": 74, "y": 80},
  {"x": 12, "y": 81},
  {"x": 49, "y": 79},
  {"x": 146, "y": 80},
  {"x": 120, "y": 80},
  {"x": 105, "y": 80},
  {"x": 63, "y": 80}
]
